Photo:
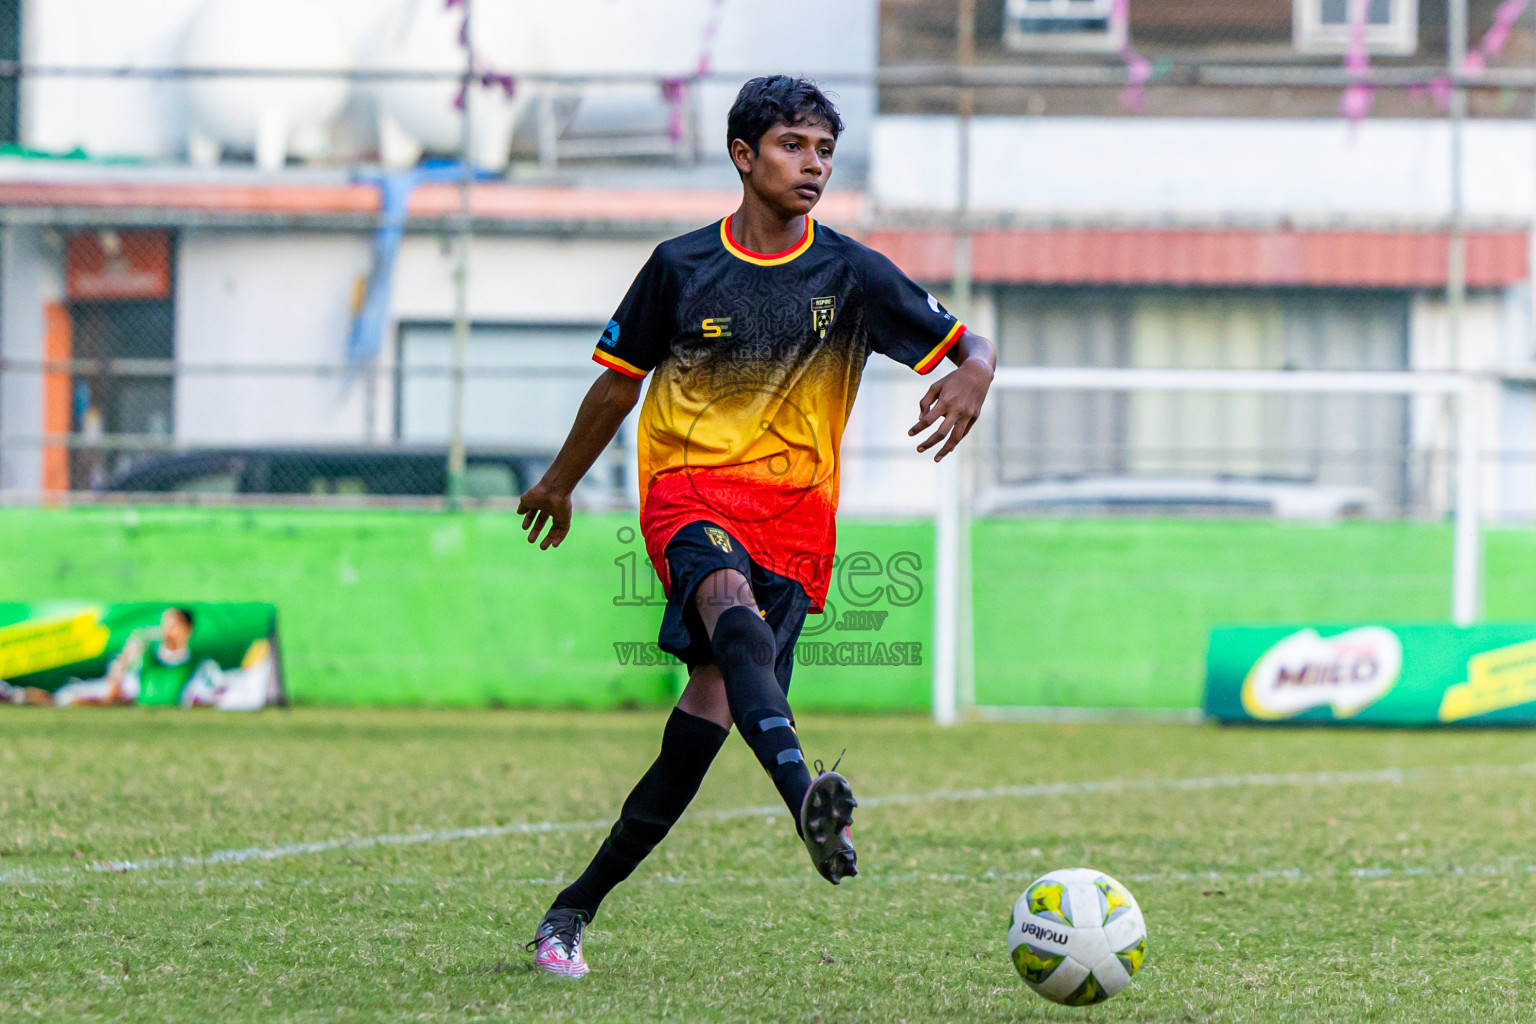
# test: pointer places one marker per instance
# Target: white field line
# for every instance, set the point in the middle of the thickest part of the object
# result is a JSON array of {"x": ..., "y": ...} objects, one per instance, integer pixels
[
  {"x": 1382, "y": 776},
  {"x": 866, "y": 877}
]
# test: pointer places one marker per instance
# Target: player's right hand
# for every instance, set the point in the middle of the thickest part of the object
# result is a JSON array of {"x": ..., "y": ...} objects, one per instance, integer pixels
[{"x": 544, "y": 505}]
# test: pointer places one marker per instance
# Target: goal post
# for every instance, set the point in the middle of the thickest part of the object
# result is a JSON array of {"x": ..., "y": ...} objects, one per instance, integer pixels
[{"x": 953, "y": 640}]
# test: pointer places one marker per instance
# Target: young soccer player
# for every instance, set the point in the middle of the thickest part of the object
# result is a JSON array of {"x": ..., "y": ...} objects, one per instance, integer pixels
[{"x": 757, "y": 328}]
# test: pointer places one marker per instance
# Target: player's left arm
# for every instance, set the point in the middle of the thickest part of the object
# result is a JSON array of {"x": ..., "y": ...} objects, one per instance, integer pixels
[{"x": 955, "y": 400}]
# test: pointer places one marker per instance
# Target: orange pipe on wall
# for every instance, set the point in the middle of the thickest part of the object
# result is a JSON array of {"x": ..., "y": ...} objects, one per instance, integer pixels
[{"x": 58, "y": 347}]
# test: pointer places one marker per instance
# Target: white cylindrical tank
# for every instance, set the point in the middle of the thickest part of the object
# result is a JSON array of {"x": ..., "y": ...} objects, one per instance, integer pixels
[
  {"x": 661, "y": 38},
  {"x": 424, "y": 36},
  {"x": 267, "y": 115}
]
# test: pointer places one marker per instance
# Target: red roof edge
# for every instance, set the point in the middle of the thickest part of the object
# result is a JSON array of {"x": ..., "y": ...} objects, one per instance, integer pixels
[
  {"x": 1210, "y": 257},
  {"x": 493, "y": 201}
]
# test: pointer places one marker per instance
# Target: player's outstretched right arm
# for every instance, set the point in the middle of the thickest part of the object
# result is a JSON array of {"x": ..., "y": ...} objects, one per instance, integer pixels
[{"x": 608, "y": 401}]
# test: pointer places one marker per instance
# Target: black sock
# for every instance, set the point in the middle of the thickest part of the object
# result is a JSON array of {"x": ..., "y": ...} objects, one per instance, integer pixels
[
  {"x": 744, "y": 649},
  {"x": 688, "y": 746}
]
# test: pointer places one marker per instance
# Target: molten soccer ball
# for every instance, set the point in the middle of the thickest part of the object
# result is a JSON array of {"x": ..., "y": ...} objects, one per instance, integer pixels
[{"x": 1077, "y": 936}]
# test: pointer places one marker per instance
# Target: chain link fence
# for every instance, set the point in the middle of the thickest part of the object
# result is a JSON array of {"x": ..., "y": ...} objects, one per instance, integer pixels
[{"x": 147, "y": 350}]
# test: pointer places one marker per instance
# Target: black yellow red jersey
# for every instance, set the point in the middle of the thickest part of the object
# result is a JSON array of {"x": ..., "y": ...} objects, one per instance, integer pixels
[{"x": 757, "y": 360}]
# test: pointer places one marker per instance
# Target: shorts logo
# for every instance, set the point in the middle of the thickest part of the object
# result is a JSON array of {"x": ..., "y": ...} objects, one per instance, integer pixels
[
  {"x": 821, "y": 313},
  {"x": 718, "y": 537},
  {"x": 717, "y": 327}
]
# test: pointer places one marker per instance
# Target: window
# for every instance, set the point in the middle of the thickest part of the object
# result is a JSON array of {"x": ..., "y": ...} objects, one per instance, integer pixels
[
  {"x": 1062, "y": 25},
  {"x": 1323, "y": 26}
]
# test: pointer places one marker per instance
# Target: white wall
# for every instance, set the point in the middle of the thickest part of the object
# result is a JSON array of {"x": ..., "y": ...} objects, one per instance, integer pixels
[
  {"x": 266, "y": 299},
  {"x": 519, "y": 278},
  {"x": 1149, "y": 169},
  {"x": 250, "y": 298},
  {"x": 31, "y": 275}
]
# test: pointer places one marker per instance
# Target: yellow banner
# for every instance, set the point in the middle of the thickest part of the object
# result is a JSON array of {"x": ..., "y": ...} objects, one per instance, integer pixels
[
  {"x": 1496, "y": 679},
  {"x": 35, "y": 646}
]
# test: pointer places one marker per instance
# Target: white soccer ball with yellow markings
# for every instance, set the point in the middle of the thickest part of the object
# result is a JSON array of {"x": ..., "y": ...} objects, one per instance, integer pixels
[{"x": 1077, "y": 936}]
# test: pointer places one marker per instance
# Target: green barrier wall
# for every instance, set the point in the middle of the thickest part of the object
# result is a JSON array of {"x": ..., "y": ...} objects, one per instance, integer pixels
[
  {"x": 426, "y": 608},
  {"x": 1116, "y": 612}
]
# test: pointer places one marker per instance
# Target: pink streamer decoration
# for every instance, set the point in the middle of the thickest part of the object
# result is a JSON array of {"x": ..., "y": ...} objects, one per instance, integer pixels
[
  {"x": 1355, "y": 104},
  {"x": 1492, "y": 43},
  {"x": 1138, "y": 70},
  {"x": 1438, "y": 90},
  {"x": 487, "y": 76},
  {"x": 1476, "y": 60},
  {"x": 675, "y": 90},
  {"x": 711, "y": 32}
]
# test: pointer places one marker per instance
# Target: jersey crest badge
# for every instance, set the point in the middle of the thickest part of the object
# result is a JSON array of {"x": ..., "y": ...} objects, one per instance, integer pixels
[
  {"x": 821, "y": 313},
  {"x": 718, "y": 537}
]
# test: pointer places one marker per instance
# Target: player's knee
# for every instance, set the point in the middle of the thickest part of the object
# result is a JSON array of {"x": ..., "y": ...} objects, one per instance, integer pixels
[
  {"x": 720, "y": 591},
  {"x": 742, "y": 636}
]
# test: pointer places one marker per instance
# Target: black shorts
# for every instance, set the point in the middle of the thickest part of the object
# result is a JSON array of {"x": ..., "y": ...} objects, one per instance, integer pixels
[{"x": 699, "y": 549}]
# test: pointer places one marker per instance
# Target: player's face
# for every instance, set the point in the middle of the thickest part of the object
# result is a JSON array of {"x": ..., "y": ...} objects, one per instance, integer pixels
[
  {"x": 174, "y": 631},
  {"x": 791, "y": 166}
]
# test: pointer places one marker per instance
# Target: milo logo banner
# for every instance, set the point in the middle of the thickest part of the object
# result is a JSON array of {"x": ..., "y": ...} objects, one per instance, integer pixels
[
  {"x": 193, "y": 655},
  {"x": 1373, "y": 675}
]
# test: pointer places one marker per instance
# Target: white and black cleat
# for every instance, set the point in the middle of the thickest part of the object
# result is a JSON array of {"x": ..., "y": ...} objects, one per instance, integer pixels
[
  {"x": 557, "y": 944},
  {"x": 826, "y": 824}
]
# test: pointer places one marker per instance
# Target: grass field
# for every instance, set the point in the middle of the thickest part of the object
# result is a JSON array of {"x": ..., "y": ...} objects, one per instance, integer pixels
[{"x": 1287, "y": 875}]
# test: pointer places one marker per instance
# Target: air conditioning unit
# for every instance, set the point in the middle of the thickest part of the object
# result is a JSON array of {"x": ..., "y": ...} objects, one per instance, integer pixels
[{"x": 1062, "y": 26}]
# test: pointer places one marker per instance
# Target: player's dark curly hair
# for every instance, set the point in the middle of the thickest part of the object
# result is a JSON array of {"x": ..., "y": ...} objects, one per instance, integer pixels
[{"x": 778, "y": 99}]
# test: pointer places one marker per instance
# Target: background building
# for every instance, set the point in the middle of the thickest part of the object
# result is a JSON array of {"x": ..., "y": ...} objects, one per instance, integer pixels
[{"x": 198, "y": 254}]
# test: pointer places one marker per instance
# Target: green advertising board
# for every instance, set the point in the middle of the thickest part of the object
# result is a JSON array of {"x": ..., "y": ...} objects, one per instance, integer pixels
[
  {"x": 1373, "y": 674},
  {"x": 215, "y": 654}
]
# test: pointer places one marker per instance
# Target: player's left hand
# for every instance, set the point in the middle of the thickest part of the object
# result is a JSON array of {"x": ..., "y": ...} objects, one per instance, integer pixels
[
  {"x": 956, "y": 400},
  {"x": 542, "y": 505}
]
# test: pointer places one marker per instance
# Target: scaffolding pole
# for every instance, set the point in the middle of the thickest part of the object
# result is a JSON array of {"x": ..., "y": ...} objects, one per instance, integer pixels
[{"x": 456, "y": 455}]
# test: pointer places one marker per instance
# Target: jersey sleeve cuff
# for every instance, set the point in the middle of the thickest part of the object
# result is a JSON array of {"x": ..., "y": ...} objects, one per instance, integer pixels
[
  {"x": 613, "y": 362},
  {"x": 934, "y": 357}
]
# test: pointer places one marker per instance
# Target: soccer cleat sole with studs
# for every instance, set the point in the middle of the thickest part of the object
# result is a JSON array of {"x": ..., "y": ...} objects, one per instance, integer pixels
[{"x": 826, "y": 822}]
